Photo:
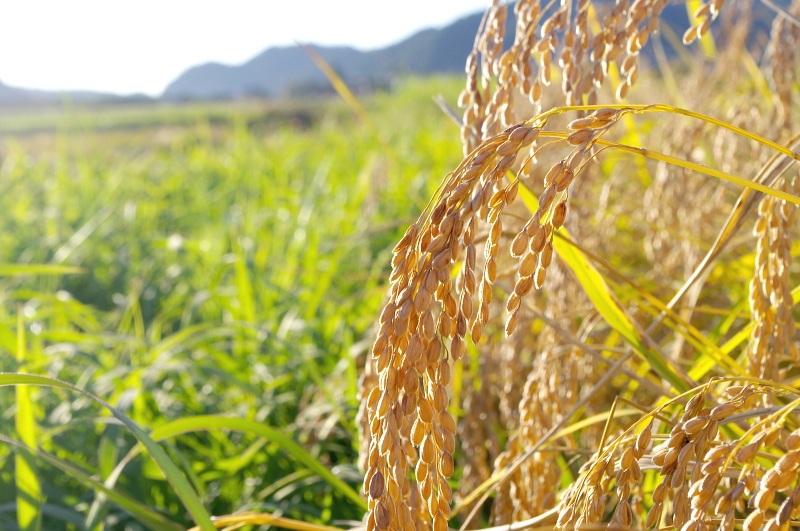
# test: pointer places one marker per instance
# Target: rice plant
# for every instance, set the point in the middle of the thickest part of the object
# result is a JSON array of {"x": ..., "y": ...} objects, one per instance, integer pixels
[{"x": 499, "y": 220}]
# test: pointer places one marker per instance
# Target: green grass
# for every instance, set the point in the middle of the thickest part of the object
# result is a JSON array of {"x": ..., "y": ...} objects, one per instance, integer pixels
[{"x": 232, "y": 259}]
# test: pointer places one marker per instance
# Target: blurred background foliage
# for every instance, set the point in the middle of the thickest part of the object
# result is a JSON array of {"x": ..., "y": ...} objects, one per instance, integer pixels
[{"x": 233, "y": 257}]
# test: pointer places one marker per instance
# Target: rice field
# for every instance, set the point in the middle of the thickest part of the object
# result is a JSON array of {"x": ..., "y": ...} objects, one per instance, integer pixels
[
  {"x": 184, "y": 262},
  {"x": 567, "y": 304}
]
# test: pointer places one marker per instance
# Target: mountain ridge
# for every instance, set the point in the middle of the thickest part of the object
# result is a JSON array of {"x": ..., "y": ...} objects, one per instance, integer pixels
[
  {"x": 18, "y": 96},
  {"x": 287, "y": 71},
  {"x": 280, "y": 71}
]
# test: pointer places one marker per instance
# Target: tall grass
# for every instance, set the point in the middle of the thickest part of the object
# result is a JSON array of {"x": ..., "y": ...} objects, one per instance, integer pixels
[{"x": 226, "y": 265}]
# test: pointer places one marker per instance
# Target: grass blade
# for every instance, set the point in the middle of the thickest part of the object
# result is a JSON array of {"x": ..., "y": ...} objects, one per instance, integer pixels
[
  {"x": 266, "y": 519},
  {"x": 29, "y": 490},
  {"x": 173, "y": 474},
  {"x": 339, "y": 85},
  {"x": 10, "y": 270},
  {"x": 751, "y": 185},
  {"x": 209, "y": 422},
  {"x": 152, "y": 519},
  {"x": 247, "y": 305}
]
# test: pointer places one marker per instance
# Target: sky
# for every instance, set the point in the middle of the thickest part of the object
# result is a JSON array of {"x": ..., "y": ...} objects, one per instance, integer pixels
[{"x": 129, "y": 46}]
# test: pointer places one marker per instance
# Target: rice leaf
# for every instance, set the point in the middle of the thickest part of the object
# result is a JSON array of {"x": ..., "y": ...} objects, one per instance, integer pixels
[
  {"x": 182, "y": 487},
  {"x": 152, "y": 519},
  {"x": 10, "y": 270},
  {"x": 29, "y": 490},
  {"x": 209, "y": 422},
  {"x": 604, "y": 302}
]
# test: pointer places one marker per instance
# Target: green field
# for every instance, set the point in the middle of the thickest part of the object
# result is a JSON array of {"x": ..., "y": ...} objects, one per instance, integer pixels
[{"x": 227, "y": 259}]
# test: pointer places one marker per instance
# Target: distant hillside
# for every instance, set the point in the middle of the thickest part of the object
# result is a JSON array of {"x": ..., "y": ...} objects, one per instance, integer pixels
[
  {"x": 287, "y": 70},
  {"x": 15, "y": 96},
  {"x": 284, "y": 70}
]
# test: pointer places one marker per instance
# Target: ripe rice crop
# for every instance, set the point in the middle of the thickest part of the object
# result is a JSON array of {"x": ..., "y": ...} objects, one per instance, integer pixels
[{"x": 476, "y": 228}]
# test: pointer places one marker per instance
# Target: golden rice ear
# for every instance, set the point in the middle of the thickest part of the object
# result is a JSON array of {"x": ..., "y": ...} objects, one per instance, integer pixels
[
  {"x": 413, "y": 351},
  {"x": 770, "y": 303},
  {"x": 782, "y": 50},
  {"x": 528, "y": 491},
  {"x": 695, "y": 467},
  {"x": 571, "y": 38}
]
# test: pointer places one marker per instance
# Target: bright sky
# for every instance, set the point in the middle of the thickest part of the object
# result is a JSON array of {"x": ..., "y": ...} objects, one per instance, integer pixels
[{"x": 140, "y": 46}]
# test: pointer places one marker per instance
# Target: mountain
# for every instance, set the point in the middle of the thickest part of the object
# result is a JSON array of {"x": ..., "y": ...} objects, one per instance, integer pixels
[
  {"x": 283, "y": 70},
  {"x": 16, "y": 96},
  {"x": 289, "y": 71}
]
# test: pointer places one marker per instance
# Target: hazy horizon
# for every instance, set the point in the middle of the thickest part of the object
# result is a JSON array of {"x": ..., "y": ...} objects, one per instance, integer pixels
[{"x": 127, "y": 48}]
